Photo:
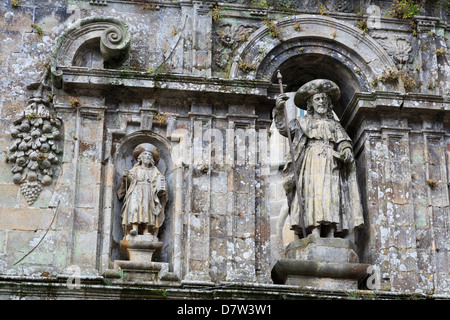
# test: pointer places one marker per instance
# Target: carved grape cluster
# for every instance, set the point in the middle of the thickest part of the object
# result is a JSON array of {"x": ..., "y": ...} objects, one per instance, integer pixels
[{"x": 34, "y": 151}]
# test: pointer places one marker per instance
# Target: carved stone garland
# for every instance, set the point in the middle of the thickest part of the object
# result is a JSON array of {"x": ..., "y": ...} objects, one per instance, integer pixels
[{"x": 34, "y": 153}]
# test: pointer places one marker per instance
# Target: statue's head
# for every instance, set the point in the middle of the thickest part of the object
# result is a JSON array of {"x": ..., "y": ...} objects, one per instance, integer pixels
[
  {"x": 317, "y": 96},
  {"x": 145, "y": 151},
  {"x": 146, "y": 158},
  {"x": 320, "y": 104}
]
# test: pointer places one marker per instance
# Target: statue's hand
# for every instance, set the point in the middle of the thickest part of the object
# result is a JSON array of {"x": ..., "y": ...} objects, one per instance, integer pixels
[
  {"x": 125, "y": 174},
  {"x": 347, "y": 155},
  {"x": 281, "y": 101}
]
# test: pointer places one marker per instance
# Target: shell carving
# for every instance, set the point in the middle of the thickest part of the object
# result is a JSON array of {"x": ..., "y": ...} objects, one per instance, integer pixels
[{"x": 35, "y": 151}]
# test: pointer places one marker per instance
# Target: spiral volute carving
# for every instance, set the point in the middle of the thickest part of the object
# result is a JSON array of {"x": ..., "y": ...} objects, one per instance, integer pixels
[{"x": 115, "y": 42}]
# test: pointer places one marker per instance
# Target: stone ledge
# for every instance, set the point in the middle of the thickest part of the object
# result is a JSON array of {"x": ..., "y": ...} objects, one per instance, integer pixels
[
  {"x": 286, "y": 268},
  {"x": 38, "y": 288}
]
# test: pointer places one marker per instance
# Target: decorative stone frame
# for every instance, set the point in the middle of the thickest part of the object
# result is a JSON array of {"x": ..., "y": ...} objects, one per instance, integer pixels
[
  {"x": 113, "y": 39},
  {"x": 360, "y": 56},
  {"x": 123, "y": 159}
]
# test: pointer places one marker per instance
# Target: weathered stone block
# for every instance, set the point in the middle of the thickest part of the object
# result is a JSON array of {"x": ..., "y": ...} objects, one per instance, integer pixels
[
  {"x": 27, "y": 219},
  {"x": 10, "y": 194},
  {"x": 314, "y": 248},
  {"x": 328, "y": 275}
]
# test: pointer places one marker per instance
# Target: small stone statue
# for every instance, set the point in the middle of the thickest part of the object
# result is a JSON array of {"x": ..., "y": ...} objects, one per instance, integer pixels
[
  {"x": 144, "y": 191},
  {"x": 330, "y": 199}
]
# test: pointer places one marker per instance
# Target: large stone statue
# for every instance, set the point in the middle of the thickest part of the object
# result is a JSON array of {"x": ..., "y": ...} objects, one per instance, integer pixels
[
  {"x": 330, "y": 199},
  {"x": 143, "y": 189}
]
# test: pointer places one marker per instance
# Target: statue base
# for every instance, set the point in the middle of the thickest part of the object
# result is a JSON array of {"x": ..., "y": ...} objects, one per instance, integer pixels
[
  {"x": 326, "y": 263},
  {"x": 139, "y": 249}
]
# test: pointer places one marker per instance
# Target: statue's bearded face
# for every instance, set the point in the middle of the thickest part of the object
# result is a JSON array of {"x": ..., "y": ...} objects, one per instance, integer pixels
[
  {"x": 320, "y": 103},
  {"x": 146, "y": 158}
]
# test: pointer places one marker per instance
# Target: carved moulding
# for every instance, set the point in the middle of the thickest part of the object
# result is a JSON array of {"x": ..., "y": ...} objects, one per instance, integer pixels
[
  {"x": 229, "y": 38},
  {"x": 267, "y": 52},
  {"x": 35, "y": 151},
  {"x": 112, "y": 35},
  {"x": 399, "y": 47}
]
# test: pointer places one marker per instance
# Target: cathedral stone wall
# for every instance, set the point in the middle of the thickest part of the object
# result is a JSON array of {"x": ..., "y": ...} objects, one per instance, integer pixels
[{"x": 198, "y": 79}]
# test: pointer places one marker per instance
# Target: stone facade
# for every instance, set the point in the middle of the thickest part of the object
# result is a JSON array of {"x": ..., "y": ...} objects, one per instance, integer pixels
[{"x": 197, "y": 79}]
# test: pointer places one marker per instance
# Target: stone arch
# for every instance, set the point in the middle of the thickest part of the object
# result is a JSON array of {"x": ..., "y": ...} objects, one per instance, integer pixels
[
  {"x": 108, "y": 35},
  {"x": 337, "y": 47},
  {"x": 123, "y": 160}
]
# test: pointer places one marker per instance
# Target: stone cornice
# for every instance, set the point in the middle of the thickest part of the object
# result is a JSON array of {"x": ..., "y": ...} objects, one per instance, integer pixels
[
  {"x": 103, "y": 78},
  {"x": 409, "y": 103}
]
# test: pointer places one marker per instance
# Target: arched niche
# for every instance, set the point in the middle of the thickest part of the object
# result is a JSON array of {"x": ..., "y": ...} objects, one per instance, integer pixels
[
  {"x": 89, "y": 56},
  {"x": 123, "y": 159},
  {"x": 105, "y": 35},
  {"x": 311, "y": 47},
  {"x": 317, "y": 62}
]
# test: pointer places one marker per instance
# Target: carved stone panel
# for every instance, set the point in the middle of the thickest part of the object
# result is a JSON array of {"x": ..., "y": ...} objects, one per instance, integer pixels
[{"x": 35, "y": 150}]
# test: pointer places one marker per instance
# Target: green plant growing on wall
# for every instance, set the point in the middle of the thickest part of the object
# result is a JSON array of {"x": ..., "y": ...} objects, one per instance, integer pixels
[
  {"x": 49, "y": 97},
  {"x": 374, "y": 82},
  {"x": 361, "y": 23},
  {"x": 392, "y": 76},
  {"x": 440, "y": 51},
  {"x": 260, "y": 3},
  {"x": 246, "y": 67},
  {"x": 216, "y": 16},
  {"x": 31, "y": 116},
  {"x": 36, "y": 28},
  {"x": 432, "y": 183},
  {"x": 297, "y": 26},
  {"x": 42, "y": 156},
  {"x": 14, "y": 3},
  {"x": 413, "y": 25},
  {"x": 75, "y": 102},
  {"x": 322, "y": 10},
  {"x": 243, "y": 38},
  {"x": 6, "y": 155},
  {"x": 405, "y": 10},
  {"x": 161, "y": 118},
  {"x": 204, "y": 168},
  {"x": 273, "y": 29},
  {"x": 408, "y": 82},
  {"x": 389, "y": 76}
]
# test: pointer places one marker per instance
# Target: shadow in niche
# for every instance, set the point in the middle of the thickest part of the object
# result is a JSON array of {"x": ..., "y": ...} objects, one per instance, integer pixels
[
  {"x": 298, "y": 70},
  {"x": 89, "y": 55},
  {"x": 124, "y": 160}
]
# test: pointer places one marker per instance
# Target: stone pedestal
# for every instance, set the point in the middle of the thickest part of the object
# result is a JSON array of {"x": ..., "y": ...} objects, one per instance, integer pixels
[
  {"x": 140, "y": 249},
  {"x": 327, "y": 263},
  {"x": 322, "y": 249}
]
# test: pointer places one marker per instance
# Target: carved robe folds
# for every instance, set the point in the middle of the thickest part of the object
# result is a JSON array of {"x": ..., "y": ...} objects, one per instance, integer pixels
[
  {"x": 142, "y": 204},
  {"x": 328, "y": 186}
]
